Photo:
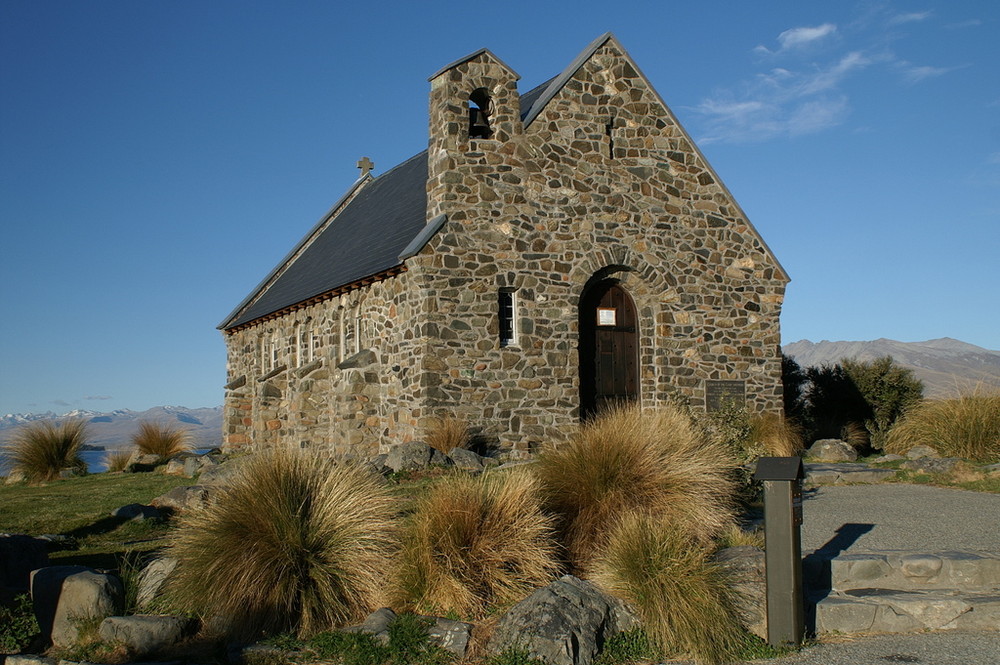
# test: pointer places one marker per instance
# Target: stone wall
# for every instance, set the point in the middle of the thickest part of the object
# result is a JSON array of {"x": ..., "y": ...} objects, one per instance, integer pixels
[{"x": 603, "y": 184}]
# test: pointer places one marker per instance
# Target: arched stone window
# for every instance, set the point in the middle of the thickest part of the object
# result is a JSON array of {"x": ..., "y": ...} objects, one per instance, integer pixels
[{"x": 480, "y": 109}]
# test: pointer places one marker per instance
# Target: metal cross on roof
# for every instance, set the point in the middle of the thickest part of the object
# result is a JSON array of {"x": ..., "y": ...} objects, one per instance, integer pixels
[{"x": 365, "y": 165}]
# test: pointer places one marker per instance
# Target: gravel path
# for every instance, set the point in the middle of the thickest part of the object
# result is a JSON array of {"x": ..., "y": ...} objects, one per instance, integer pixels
[
  {"x": 921, "y": 649},
  {"x": 900, "y": 517}
]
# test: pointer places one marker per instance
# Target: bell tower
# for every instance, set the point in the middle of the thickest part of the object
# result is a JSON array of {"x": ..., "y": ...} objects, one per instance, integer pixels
[{"x": 475, "y": 121}]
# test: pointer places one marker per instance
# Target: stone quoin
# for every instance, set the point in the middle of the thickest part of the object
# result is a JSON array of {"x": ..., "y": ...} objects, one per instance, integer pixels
[{"x": 551, "y": 252}]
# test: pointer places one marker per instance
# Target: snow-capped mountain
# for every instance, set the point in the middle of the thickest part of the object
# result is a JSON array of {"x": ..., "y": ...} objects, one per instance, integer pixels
[{"x": 114, "y": 429}]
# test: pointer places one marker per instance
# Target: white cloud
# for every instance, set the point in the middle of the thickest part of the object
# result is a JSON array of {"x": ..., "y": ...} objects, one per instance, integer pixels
[
  {"x": 917, "y": 73},
  {"x": 797, "y": 37},
  {"x": 97, "y": 397},
  {"x": 971, "y": 23},
  {"x": 911, "y": 17}
]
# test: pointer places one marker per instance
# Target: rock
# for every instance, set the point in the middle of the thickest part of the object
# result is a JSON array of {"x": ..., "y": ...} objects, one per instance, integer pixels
[
  {"x": 65, "y": 595},
  {"x": 139, "y": 463},
  {"x": 144, "y": 635},
  {"x": 180, "y": 499},
  {"x": 931, "y": 464},
  {"x": 152, "y": 579},
  {"x": 466, "y": 459},
  {"x": 218, "y": 473},
  {"x": 414, "y": 456},
  {"x": 564, "y": 623},
  {"x": 832, "y": 450},
  {"x": 136, "y": 512},
  {"x": 744, "y": 567},
  {"x": 452, "y": 636},
  {"x": 19, "y": 555},
  {"x": 198, "y": 464},
  {"x": 176, "y": 467},
  {"x": 27, "y": 659},
  {"x": 375, "y": 624},
  {"x": 887, "y": 458},
  {"x": 920, "y": 452}
]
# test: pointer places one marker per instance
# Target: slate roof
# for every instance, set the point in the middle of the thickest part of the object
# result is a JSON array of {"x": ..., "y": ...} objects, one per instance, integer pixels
[{"x": 382, "y": 226}]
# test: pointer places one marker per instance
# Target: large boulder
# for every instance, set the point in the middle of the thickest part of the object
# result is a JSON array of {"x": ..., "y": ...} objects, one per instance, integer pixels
[
  {"x": 67, "y": 596},
  {"x": 151, "y": 580},
  {"x": 564, "y": 623},
  {"x": 180, "y": 499},
  {"x": 466, "y": 460},
  {"x": 19, "y": 555},
  {"x": 744, "y": 568},
  {"x": 136, "y": 512},
  {"x": 144, "y": 635},
  {"x": 832, "y": 450},
  {"x": 414, "y": 456}
]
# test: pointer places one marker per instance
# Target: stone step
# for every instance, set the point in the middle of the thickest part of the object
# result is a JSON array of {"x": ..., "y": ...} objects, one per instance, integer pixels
[
  {"x": 840, "y": 473},
  {"x": 903, "y": 570},
  {"x": 895, "y": 611}
]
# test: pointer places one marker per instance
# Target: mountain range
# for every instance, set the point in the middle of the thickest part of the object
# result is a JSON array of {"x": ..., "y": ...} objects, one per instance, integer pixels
[
  {"x": 114, "y": 429},
  {"x": 946, "y": 366}
]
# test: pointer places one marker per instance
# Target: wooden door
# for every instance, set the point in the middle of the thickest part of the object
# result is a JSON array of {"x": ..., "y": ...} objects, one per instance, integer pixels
[{"x": 609, "y": 348}]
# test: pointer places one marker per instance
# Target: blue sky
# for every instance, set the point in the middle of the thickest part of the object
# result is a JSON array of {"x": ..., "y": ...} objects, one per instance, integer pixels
[{"x": 158, "y": 158}]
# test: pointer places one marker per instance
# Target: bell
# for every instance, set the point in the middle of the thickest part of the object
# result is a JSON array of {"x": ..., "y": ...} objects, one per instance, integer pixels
[{"x": 479, "y": 126}]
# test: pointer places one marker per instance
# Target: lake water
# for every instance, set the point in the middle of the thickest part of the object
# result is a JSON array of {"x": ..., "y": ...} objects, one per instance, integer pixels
[{"x": 95, "y": 459}]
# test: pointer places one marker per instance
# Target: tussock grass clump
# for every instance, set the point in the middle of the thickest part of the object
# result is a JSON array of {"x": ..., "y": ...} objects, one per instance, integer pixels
[
  {"x": 295, "y": 543},
  {"x": 967, "y": 426},
  {"x": 630, "y": 460},
  {"x": 117, "y": 460},
  {"x": 447, "y": 433},
  {"x": 40, "y": 451},
  {"x": 154, "y": 438},
  {"x": 775, "y": 435},
  {"x": 476, "y": 542},
  {"x": 681, "y": 596}
]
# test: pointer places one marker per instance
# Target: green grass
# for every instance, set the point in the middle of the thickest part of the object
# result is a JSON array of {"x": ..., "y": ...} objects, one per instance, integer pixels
[{"x": 81, "y": 507}]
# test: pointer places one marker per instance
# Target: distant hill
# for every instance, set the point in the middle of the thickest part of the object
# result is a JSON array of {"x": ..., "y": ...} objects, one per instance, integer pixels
[
  {"x": 946, "y": 366},
  {"x": 114, "y": 429}
]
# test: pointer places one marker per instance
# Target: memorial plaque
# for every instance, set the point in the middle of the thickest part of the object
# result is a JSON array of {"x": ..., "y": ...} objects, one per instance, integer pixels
[{"x": 721, "y": 393}]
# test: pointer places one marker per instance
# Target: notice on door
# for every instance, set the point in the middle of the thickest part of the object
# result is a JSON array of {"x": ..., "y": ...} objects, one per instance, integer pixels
[{"x": 607, "y": 316}]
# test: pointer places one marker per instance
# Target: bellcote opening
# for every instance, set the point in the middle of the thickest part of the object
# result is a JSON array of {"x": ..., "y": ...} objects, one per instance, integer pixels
[{"x": 480, "y": 108}]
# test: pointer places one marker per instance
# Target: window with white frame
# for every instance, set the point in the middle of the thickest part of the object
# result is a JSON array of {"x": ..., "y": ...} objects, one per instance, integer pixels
[{"x": 507, "y": 310}]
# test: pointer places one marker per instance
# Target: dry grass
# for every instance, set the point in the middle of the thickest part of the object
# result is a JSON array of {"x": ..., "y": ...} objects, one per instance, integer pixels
[
  {"x": 154, "y": 438},
  {"x": 40, "y": 451},
  {"x": 967, "y": 426},
  {"x": 474, "y": 543},
  {"x": 775, "y": 435},
  {"x": 447, "y": 433},
  {"x": 636, "y": 461},
  {"x": 295, "y": 543},
  {"x": 117, "y": 460},
  {"x": 682, "y": 598}
]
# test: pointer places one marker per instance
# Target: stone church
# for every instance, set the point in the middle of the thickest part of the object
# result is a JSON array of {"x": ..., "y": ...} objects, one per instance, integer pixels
[{"x": 551, "y": 252}]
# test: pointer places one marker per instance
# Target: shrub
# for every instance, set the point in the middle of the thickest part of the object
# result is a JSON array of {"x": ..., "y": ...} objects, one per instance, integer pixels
[
  {"x": 154, "y": 438},
  {"x": 296, "y": 542},
  {"x": 967, "y": 426},
  {"x": 476, "y": 542},
  {"x": 17, "y": 624},
  {"x": 40, "y": 451},
  {"x": 870, "y": 393},
  {"x": 630, "y": 460},
  {"x": 681, "y": 596},
  {"x": 447, "y": 433}
]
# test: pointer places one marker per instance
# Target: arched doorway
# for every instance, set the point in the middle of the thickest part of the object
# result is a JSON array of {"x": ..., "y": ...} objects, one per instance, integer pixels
[{"x": 609, "y": 348}]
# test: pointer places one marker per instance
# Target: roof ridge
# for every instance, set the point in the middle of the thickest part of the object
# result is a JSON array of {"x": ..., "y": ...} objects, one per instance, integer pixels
[{"x": 559, "y": 81}]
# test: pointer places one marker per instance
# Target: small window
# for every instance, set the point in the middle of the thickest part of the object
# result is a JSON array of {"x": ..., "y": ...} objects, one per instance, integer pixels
[
  {"x": 480, "y": 110},
  {"x": 508, "y": 318}
]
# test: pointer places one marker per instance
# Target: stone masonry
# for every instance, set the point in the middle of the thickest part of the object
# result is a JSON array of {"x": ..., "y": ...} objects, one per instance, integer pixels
[{"x": 602, "y": 183}]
